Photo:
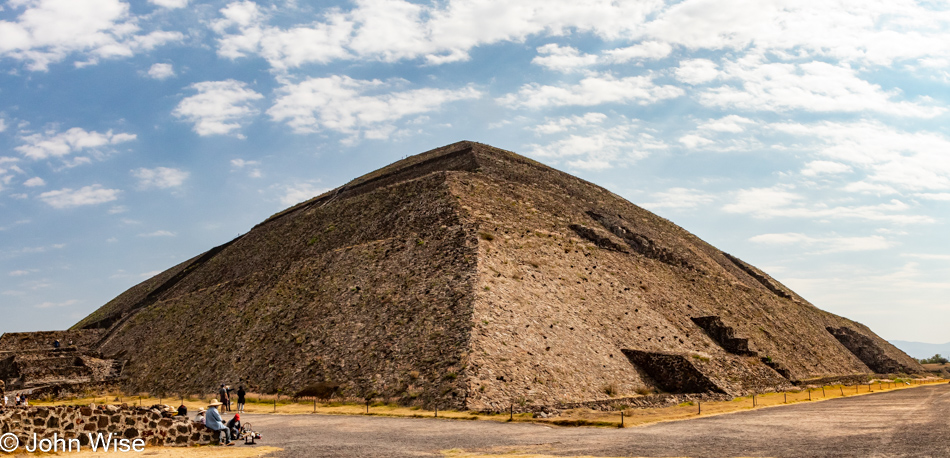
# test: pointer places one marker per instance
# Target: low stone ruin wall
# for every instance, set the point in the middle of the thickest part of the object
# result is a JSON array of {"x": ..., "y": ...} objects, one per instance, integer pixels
[
  {"x": 88, "y": 423},
  {"x": 43, "y": 340}
]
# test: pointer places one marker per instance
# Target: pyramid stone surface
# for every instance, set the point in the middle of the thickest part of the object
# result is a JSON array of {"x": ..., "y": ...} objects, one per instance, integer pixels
[{"x": 472, "y": 277}]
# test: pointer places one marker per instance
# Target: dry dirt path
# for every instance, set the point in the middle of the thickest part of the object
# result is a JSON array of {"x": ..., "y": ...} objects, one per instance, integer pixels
[{"x": 913, "y": 422}]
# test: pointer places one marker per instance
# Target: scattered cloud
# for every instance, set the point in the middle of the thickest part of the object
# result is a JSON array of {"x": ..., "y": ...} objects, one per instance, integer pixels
[
  {"x": 295, "y": 193},
  {"x": 780, "y": 202},
  {"x": 696, "y": 71},
  {"x": 392, "y": 30},
  {"x": 219, "y": 107},
  {"x": 592, "y": 90},
  {"x": 87, "y": 195},
  {"x": 816, "y": 168},
  {"x": 48, "y": 31},
  {"x": 20, "y": 273},
  {"x": 891, "y": 159},
  {"x": 252, "y": 167},
  {"x": 585, "y": 143},
  {"x": 733, "y": 124},
  {"x": 562, "y": 58},
  {"x": 161, "y": 71},
  {"x": 824, "y": 245},
  {"x": 52, "y": 143},
  {"x": 679, "y": 198},
  {"x": 46, "y": 305},
  {"x": 356, "y": 107},
  {"x": 159, "y": 233},
  {"x": 170, "y": 3},
  {"x": 811, "y": 86},
  {"x": 941, "y": 196},
  {"x": 160, "y": 177},
  {"x": 647, "y": 50},
  {"x": 34, "y": 182}
]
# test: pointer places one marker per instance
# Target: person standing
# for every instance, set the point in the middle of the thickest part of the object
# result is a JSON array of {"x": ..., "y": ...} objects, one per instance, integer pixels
[
  {"x": 213, "y": 421},
  {"x": 241, "y": 393},
  {"x": 223, "y": 394}
]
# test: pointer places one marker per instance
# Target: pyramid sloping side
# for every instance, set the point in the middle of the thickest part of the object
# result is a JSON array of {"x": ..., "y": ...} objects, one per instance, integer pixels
[
  {"x": 554, "y": 308},
  {"x": 472, "y": 277},
  {"x": 372, "y": 292}
]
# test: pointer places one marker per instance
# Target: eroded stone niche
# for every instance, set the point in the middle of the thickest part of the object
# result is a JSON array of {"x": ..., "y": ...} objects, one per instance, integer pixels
[
  {"x": 673, "y": 373},
  {"x": 867, "y": 351}
]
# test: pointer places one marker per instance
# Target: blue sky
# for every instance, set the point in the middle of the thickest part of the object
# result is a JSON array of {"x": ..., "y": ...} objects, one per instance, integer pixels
[{"x": 809, "y": 138}]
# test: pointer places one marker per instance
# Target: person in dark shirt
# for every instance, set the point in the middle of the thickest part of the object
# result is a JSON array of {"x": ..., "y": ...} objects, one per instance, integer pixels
[
  {"x": 234, "y": 425},
  {"x": 241, "y": 393},
  {"x": 182, "y": 410}
]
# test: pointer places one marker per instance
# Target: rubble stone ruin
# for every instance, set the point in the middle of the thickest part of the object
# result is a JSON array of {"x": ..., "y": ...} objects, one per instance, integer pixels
[{"x": 470, "y": 277}]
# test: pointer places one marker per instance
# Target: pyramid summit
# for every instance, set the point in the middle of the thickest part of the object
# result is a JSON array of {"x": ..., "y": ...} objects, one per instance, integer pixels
[{"x": 469, "y": 277}]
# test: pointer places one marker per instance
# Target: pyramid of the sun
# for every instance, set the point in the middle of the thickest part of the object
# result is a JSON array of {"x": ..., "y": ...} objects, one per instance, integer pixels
[{"x": 470, "y": 276}]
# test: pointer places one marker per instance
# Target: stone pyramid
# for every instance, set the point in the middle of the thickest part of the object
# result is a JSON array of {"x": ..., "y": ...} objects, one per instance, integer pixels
[{"x": 472, "y": 277}]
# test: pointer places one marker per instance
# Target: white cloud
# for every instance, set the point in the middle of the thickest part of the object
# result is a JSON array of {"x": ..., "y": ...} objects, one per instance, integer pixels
[
  {"x": 160, "y": 177},
  {"x": 811, "y": 86},
  {"x": 58, "y": 144},
  {"x": 697, "y": 71},
  {"x": 299, "y": 192},
  {"x": 219, "y": 107},
  {"x": 679, "y": 198},
  {"x": 242, "y": 32},
  {"x": 391, "y": 30},
  {"x": 33, "y": 182},
  {"x": 592, "y": 90},
  {"x": 780, "y": 202},
  {"x": 3, "y": 125},
  {"x": 87, "y": 195},
  {"x": 647, "y": 50},
  {"x": 869, "y": 31},
  {"x": 553, "y": 126},
  {"x": 48, "y": 31},
  {"x": 562, "y": 59},
  {"x": 815, "y": 168},
  {"x": 241, "y": 163},
  {"x": 892, "y": 159},
  {"x": 20, "y": 273},
  {"x": 159, "y": 233},
  {"x": 941, "y": 196},
  {"x": 161, "y": 71},
  {"x": 170, "y": 3},
  {"x": 46, "y": 305},
  {"x": 834, "y": 244},
  {"x": 355, "y": 107},
  {"x": 731, "y": 124},
  {"x": 593, "y": 146},
  {"x": 253, "y": 171}
]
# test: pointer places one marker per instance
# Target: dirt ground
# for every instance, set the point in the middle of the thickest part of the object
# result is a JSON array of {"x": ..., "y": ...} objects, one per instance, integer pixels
[
  {"x": 898, "y": 423},
  {"x": 901, "y": 422}
]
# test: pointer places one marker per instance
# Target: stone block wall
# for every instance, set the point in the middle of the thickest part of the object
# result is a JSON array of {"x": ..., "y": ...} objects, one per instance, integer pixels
[
  {"x": 124, "y": 422},
  {"x": 43, "y": 340}
]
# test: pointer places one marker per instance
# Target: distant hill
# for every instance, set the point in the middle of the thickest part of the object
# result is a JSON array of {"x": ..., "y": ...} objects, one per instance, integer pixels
[{"x": 921, "y": 350}]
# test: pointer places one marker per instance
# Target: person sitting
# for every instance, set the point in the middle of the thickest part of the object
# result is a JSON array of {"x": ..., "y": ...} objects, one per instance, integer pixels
[
  {"x": 200, "y": 418},
  {"x": 234, "y": 425},
  {"x": 213, "y": 421},
  {"x": 182, "y": 410}
]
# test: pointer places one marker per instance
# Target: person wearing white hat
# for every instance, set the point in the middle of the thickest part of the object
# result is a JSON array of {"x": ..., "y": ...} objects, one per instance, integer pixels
[
  {"x": 200, "y": 418},
  {"x": 213, "y": 421}
]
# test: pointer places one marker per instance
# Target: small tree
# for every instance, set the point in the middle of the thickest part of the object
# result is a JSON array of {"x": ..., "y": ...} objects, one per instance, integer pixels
[{"x": 935, "y": 359}]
